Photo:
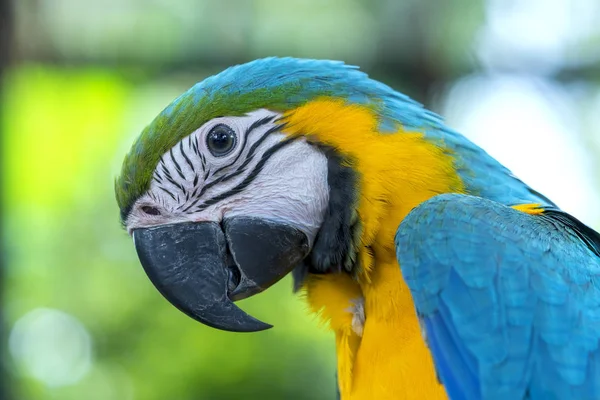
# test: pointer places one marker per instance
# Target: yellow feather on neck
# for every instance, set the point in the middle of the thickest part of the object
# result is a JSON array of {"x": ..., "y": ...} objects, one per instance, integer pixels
[{"x": 396, "y": 172}]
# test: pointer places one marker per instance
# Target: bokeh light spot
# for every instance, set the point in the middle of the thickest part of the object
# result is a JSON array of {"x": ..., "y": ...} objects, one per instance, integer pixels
[
  {"x": 531, "y": 127},
  {"x": 51, "y": 346}
]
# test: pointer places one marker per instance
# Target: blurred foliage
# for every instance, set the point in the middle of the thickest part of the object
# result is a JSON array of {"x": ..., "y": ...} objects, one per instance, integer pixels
[
  {"x": 66, "y": 251},
  {"x": 88, "y": 76}
]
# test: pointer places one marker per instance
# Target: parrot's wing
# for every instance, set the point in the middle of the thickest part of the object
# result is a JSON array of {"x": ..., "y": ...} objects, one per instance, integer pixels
[{"x": 509, "y": 302}]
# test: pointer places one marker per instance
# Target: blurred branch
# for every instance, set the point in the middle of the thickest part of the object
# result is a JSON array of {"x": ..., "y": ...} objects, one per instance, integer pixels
[
  {"x": 5, "y": 51},
  {"x": 422, "y": 74},
  {"x": 421, "y": 78},
  {"x": 588, "y": 72}
]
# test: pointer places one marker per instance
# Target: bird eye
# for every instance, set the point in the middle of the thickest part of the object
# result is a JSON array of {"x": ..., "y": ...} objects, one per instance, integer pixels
[
  {"x": 220, "y": 140},
  {"x": 150, "y": 210}
]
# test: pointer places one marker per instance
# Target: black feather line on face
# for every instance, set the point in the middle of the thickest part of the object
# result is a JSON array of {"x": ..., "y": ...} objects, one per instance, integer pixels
[
  {"x": 187, "y": 159},
  {"x": 192, "y": 204},
  {"x": 177, "y": 166},
  {"x": 209, "y": 185},
  {"x": 250, "y": 155},
  {"x": 234, "y": 174},
  {"x": 265, "y": 135},
  {"x": 175, "y": 183},
  {"x": 251, "y": 176},
  {"x": 252, "y": 128},
  {"x": 192, "y": 200},
  {"x": 334, "y": 242},
  {"x": 240, "y": 170},
  {"x": 164, "y": 168},
  {"x": 167, "y": 192}
]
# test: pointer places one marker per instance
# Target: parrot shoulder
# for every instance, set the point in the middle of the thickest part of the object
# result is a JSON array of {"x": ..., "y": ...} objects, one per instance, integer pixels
[{"x": 509, "y": 298}]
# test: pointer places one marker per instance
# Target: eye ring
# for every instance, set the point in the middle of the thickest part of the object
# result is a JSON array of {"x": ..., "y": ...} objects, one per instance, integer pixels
[
  {"x": 221, "y": 140},
  {"x": 150, "y": 210}
]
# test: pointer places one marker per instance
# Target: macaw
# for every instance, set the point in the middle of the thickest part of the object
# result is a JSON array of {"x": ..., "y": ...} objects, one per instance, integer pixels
[{"x": 441, "y": 274}]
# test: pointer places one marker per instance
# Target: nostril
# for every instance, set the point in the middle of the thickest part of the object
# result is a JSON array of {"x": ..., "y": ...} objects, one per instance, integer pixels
[
  {"x": 150, "y": 210},
  {"x": 234, "y": 278}
]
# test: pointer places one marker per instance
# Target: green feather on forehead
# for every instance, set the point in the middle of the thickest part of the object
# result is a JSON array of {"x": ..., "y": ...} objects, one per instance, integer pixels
[
  {"x": 277, "y": 84},
  {"x": 176, "y": 122}
]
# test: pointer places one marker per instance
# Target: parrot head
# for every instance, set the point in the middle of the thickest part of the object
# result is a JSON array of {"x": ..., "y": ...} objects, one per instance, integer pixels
[{"x": 228, "y": 190}]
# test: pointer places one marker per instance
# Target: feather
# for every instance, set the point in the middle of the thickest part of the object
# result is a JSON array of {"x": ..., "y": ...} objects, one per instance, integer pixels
[{"x": 516, "y": 314}]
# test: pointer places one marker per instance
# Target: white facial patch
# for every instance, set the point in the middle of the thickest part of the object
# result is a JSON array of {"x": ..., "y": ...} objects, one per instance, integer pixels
[{"x": 266, "y": 174}]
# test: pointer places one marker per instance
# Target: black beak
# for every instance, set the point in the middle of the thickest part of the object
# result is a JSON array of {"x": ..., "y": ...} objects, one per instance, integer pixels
[{"x": 202, "y": 267}]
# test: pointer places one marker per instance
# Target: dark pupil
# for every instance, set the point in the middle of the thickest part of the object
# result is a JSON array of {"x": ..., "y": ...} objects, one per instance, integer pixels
[{"x": 220, "y": 140}]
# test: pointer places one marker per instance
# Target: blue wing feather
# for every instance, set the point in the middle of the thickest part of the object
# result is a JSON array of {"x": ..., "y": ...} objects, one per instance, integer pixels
[
  {"x": 460, "y": 376},
  {"x": 510, "y": 302}
]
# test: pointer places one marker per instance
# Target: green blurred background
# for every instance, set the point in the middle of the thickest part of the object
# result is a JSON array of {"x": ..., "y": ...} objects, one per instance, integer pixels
[{"x": 81, "y": 78}]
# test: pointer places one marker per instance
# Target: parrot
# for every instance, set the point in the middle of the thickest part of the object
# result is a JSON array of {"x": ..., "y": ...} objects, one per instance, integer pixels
[{"x": 439, "y": 272}]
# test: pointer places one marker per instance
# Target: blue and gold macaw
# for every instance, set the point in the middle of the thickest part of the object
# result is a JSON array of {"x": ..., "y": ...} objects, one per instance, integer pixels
[{"x": 440, "y": 273}]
